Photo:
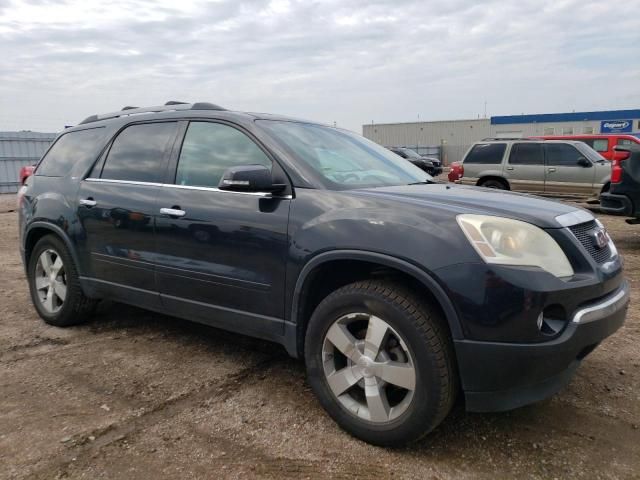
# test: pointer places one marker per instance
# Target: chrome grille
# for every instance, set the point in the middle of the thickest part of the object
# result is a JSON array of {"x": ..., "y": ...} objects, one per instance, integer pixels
[{"x": 582, "y": 232}]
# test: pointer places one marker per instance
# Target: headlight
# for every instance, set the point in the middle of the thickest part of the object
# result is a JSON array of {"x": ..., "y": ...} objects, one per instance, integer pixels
[{"x": 505, "y": 241}]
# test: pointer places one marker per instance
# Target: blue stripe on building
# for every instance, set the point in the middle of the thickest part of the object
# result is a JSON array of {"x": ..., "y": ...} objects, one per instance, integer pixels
[{"x": 565, "y": 117}]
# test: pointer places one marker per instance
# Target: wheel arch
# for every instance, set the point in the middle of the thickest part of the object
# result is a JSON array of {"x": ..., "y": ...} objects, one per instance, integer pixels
[
  {"x": 363, "y": 264},
  {"x": 36, "y": 230},
  {"x": 499, "y": 178}
]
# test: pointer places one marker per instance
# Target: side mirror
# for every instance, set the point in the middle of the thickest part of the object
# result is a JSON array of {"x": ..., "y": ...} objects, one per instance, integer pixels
[
  {"x": 249, "y": 178},
  {"x": 583, "y": 162}
]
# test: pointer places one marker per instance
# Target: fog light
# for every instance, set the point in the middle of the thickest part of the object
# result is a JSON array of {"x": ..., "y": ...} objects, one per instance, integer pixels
[{"x": 540, "y": 320}]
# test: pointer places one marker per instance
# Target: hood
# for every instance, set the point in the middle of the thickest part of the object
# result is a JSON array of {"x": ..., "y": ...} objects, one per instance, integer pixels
[{"x": 479, "y": 200}]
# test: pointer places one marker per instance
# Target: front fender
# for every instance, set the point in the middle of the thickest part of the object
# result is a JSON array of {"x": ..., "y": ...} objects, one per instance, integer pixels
[{"x": 424, "y": 277}]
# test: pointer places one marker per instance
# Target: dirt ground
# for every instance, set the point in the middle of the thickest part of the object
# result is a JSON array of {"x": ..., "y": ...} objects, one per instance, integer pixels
[{"x": 135, "y": 394}]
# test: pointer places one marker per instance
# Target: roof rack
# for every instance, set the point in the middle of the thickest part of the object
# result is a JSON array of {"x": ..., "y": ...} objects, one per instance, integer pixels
[
  {"x": 168, "y": 107},
  {"x": 491, "y": 139}
]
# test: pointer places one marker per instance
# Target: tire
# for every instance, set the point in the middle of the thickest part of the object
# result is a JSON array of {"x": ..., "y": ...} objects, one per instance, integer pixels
[
  {"x": 492, "y": 183},
  {"x": 415, "y": 339},
  {"x": 46, "y": 291}
]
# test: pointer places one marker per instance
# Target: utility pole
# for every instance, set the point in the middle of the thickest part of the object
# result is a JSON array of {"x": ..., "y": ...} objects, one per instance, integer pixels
[{"x": 485, "y": 109}]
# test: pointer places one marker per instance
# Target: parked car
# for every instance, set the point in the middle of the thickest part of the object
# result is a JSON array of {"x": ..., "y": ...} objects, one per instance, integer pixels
[
  {"x": 544, "y": 167},
  {"x": 25, "y": 172},
  {"x": 603, "y": 144},
  {"x": 456, "y": 171},
  {"x": 623, "y": 198},
  {"x": 398, "y": 292},
  {"x": 431, "y": 165}
]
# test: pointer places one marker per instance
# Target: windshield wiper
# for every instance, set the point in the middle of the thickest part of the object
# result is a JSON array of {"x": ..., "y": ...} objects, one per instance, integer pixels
[{"x": 426, "y": 182}]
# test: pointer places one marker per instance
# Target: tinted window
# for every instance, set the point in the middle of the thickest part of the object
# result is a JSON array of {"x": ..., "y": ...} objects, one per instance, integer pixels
[
  {"x": 210, "y": 148},
  {"x": 70, "y": 149},
  {"x": 600, "y": 145},
  {"x": 624, "y": 141},
  {"x": 562, "y": 154},
  {"x": 526, "y": 154},
  {"x": 487, "y": 153},
  {"x": 138, "y": 153}
]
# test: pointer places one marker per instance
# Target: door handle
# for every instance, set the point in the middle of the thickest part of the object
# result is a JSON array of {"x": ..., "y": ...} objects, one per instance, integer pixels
[
  {"x": 88, "y": 202},
  {"x": 509, "y": 168},
  {"x": 551, "y": 170},
  {"x": 173, "y": 212}
]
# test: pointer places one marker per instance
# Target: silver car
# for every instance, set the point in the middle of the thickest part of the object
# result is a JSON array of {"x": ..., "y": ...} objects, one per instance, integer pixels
[{"x": 543, "y": 167}]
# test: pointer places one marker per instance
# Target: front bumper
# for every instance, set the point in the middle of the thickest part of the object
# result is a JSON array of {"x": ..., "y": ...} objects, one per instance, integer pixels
[
  {"x": 616, "y": 204},
  {"x": 502, "y": 376}
]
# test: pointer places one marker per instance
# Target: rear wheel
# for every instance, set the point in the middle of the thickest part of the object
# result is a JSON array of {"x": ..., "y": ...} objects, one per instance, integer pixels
[
  {"x": 380, "y": 362},
  {"x": 54, "y": 284},
  {"x": 493, "y": 183}
]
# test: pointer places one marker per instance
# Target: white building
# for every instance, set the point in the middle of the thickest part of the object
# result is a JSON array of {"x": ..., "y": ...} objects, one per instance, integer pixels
[{"x": 454, "y": 137}]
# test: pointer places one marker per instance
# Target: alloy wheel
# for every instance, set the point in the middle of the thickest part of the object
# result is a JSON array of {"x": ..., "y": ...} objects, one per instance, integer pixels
[
  {"x": 368, "y": 367},
  {"x": 50, "y": 281}
]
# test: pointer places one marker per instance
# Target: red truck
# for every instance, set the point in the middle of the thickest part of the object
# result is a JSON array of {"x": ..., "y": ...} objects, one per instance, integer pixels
[{"x": 603, "y": 144}]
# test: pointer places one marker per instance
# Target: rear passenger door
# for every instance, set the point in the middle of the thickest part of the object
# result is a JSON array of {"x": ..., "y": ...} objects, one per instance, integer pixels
[
  {"x": 525, "y": 167},
  {"x": 564, "y": 174},
  {"x": 222, "y": 257},
  {"x": 116, "y": 207}
]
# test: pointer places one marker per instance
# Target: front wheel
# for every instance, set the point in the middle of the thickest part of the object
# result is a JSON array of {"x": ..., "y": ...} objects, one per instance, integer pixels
[{"x": 380, "y": 362}]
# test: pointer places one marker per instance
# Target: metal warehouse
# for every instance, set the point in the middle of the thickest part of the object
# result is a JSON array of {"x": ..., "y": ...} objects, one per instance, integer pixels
[
  {"x": 18, "y": 149},
  {"x": 454, "y": 137}
]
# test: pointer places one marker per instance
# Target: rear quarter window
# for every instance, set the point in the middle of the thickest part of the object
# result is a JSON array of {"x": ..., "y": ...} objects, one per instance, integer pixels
[
  {"x": 486, "y": 153},
  {"x": 73, "y": 148}
]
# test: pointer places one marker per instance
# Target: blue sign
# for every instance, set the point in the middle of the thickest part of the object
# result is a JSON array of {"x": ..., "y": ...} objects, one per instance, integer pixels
[{"x": 616, "y": 126}]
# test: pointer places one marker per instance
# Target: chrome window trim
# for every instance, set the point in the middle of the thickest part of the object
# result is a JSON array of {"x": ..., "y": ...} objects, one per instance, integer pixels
[
  {"x": 123, "y": 182},
  {"x": 574, "y": 218},
  {"x": 188, "y": 187},
  {"x": 604, "y": 308}
]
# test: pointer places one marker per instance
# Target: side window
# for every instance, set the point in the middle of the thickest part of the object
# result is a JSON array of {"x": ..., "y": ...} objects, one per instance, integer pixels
[
  {"x": 138, "y": 153},
  {"x": 600, "y": 145},
  {"x": 70, "y": 149},
  {"x": 526, "y": 154},
  {"x": 486, "y": 153},
  {"x": 562, "y": 154},
  {"x": 624, "y": 141},
  {"x": 210, "y": 148}
]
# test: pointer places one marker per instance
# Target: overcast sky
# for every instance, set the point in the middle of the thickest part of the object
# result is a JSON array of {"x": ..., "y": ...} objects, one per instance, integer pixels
[{"x": 351, "y": 62}]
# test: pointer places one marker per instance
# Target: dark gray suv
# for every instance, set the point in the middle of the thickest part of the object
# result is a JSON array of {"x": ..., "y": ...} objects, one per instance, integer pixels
[{"x": 398, "y": 292}]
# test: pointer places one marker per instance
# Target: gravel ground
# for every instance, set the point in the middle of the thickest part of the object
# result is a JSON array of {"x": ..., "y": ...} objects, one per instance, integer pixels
[{"x": 135, "y": 394}]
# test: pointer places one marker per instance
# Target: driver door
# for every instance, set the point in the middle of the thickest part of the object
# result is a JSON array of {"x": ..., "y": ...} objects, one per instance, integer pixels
[
  {"x": 221, "y": 254},
  {"x": 564, "y": 174}
]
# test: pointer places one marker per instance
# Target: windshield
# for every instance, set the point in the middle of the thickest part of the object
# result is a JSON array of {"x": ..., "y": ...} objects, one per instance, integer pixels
[
  {"x": 589, "y": 152},
  {"x": 410, "y": 153},
  {"x": 342, "y": 159}
]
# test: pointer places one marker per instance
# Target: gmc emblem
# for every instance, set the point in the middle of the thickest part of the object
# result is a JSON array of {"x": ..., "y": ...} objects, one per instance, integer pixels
[{"x": 600, "y": 238}]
